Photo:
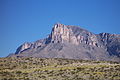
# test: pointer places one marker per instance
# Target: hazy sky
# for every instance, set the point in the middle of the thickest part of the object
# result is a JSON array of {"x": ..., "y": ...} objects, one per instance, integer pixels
[{"x": 29, "y": 20}]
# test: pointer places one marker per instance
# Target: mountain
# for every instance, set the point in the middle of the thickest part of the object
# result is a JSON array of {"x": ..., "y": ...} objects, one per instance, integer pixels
[{"x": 73, "y": 42}]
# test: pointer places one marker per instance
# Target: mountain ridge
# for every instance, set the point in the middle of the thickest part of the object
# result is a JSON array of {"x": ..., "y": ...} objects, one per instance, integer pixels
[{"x": 73, "y": 42}]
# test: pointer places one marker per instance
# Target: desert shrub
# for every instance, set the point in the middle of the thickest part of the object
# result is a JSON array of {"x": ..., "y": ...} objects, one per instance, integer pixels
[
  {"x": 18, "y": 72},
  {"x": 55, "y": 69}
]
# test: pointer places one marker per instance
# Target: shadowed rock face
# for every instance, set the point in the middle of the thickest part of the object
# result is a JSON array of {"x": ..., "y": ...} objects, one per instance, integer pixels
[
  {"x": 75, "y": 43},
  {"x": 112, "y": 42}
]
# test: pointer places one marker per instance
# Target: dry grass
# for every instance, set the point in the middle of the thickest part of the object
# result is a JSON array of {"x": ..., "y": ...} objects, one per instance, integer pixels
[{"x": 57, "y": 69}]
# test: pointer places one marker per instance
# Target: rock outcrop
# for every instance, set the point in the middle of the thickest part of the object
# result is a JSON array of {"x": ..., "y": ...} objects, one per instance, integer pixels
[
  {"x": 112, "y": 42},
  {"x": 67, "y": 41},
  {"x": 23, "y": 47},
  {"x": 72, "y": 34}
]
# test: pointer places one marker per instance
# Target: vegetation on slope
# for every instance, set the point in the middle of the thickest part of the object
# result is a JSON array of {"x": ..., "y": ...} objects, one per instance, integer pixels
[{"x": 57, "y": 69}]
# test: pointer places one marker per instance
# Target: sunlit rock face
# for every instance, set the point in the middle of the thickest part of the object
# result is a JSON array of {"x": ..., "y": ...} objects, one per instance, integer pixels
[
  {"x": 73, "y": 34},
  {"x": 73, "y": 42},
  {"x": 23, "y": 47},
  {"x": 62, "y": 33}
]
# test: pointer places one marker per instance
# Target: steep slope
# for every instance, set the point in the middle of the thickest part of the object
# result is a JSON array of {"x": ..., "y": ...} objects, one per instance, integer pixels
[
  {"x": 112, "y": 42},
  {"x": 73, "y": 42}
]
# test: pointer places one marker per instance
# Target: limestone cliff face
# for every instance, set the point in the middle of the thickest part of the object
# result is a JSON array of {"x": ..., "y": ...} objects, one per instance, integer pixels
[
  {"x": 73, "y": 34},
  {"x": 62, "y": 33},
  {"x": 38, "y": 43},
  {"x": 112, "y": 42},
  {"x": 108, "y": 38},
  {"x": 28, "y": 45},
  {"x": 23, "y": 47}
]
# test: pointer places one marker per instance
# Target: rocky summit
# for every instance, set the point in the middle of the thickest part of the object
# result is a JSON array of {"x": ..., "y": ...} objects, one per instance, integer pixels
[{"x": 73, "y": 42}]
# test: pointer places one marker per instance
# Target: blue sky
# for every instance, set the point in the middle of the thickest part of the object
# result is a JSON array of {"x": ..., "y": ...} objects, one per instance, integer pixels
[{"x": 29, "y": 20}]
